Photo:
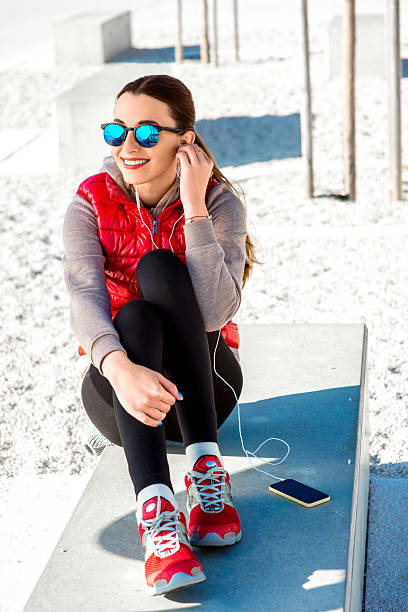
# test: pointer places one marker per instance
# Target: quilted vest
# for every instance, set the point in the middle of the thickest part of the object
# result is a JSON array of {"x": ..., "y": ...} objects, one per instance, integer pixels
[{"x": 125, "y": 239}]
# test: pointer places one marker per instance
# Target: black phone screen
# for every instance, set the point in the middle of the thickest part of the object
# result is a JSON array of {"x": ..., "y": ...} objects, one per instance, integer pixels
[{"x": 299, "y": 491}]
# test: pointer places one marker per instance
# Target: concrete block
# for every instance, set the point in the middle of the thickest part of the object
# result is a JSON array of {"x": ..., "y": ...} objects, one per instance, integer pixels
[
  {"x": 370, "y": 46},
  {"x": 81, "y": 110},
  {"x": 92, "y": 38},
  {"x": 305, "y": 384}
]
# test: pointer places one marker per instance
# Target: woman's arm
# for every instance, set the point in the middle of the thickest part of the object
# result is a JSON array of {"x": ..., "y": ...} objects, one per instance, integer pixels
[
  {"x": 145, "y": 394},
  {"x": 215, "y": 256},
  {"x": 83, "y": 263}
]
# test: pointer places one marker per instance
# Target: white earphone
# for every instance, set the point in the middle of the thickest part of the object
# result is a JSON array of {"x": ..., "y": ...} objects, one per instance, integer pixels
[{"x": 138, "y": 206}]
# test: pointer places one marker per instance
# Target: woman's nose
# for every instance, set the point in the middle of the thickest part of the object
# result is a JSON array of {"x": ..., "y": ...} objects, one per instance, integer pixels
[
  {"x": 131, "y": 134},
  {"x": 132, "y": 143}
]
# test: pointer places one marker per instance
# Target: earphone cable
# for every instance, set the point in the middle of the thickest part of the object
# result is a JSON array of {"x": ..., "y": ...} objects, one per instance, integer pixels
[{"x": 246, "y": 451}]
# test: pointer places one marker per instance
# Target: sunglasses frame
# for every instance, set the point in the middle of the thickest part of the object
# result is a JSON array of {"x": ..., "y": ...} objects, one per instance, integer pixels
[{"x": 130, "y": 129}]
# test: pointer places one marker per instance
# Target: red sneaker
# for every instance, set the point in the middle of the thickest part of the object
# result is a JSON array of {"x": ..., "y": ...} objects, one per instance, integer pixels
[
  {"x": 169, "y": 559},
  {"x": 213, "y": 518}
]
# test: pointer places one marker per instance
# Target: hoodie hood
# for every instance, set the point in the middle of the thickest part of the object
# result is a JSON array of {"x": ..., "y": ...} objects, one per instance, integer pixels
[{"x": 110, "y": 166}]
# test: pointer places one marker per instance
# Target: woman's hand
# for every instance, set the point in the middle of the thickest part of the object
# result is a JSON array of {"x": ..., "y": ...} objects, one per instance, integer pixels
[
  {"x": 145, "y": 394},
  {"x": 195, "y": 171}
]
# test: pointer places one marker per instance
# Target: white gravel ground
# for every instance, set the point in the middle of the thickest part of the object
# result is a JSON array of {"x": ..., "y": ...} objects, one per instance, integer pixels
[{"x": 325, "y": 261}]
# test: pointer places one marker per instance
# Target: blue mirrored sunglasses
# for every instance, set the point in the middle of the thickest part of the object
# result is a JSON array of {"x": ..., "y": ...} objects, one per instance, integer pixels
[{"x": 145, "y": 135}]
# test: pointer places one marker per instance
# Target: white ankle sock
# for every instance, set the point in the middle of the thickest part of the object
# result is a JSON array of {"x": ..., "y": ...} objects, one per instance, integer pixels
[
  {"x": 153, "y": 491},
  {"x": 194, "y": 451}
]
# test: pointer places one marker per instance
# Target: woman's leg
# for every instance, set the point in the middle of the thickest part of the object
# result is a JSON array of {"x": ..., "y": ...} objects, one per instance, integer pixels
[
  {"x": 96, "y": 393},
  {"x": 148, "y": 342},
  {"x": 164, "y": 280},
  {"x": 226, "y": 366},
  {"x": 140, "y": 329}
]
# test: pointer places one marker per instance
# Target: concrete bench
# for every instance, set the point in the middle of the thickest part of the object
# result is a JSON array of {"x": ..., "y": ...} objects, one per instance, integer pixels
[
  {"x": 371, "y": 51},
  {"x": 303, "y": 383},
  {"x": 92, "y": 38}
]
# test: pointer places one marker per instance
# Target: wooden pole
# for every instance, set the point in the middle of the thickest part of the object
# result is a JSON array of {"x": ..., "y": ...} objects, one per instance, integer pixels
[
  {"x": 349, "y": 143},
  {"x": 204, "y": 33},
  {"x": 236, "y": 41},
  {"x": 394, "y": 100},
  {"x": 214, "y": 54},
  {"x": 306, "y": 115},
  {"x": 179, "y": 45}
]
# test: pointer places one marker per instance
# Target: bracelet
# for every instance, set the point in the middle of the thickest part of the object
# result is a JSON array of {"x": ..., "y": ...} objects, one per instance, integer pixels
[{"x": 189, "y": 219}]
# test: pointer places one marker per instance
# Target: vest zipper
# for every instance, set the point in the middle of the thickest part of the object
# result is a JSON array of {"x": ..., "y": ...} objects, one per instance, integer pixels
[{"x": 154, "y": 226}]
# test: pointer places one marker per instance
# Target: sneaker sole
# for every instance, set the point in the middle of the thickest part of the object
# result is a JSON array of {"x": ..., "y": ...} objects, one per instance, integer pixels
[
  {"x": 179, "y": 580},
  {"x": 213, "y": 539}
]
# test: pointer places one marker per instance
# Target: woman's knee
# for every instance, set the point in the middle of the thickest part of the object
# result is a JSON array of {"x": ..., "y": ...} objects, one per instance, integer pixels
[
  {"x": 137, "y": 310},
  {"x": 163, "y": 266},
  {"x": 157, "y": 258}
]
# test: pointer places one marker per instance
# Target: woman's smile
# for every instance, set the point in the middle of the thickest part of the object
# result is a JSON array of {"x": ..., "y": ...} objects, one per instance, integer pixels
[{"x": 133, "y": 163}]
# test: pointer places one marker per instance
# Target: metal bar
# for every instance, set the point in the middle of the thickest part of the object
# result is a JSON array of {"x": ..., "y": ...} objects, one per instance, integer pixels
[
  {"x": 236, "y": 41},
  {"x": 306, "y": 115},
  {"x": 394, "y": 99},
  {"x": 204, "y": 33},
  {"x": 349, "y": 141},
  {"x": 179, "y": 51},
  {"x": 214, "y": 54}
]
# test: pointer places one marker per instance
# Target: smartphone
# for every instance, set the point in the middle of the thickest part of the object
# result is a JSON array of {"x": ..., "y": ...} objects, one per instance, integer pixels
[{"x": 299, "y": 492}]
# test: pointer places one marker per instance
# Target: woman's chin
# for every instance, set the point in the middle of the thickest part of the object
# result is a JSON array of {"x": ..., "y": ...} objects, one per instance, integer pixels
[{"x": 136, "y": 177}]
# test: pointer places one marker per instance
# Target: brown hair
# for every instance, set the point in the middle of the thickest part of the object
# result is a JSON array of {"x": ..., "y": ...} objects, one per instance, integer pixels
[{"x": 178, "y": 98}]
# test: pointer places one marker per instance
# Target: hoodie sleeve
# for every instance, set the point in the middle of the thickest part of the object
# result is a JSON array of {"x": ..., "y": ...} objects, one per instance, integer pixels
[
  {"x": 84, "y": 275},
  {"x": 215, "y": 256}
]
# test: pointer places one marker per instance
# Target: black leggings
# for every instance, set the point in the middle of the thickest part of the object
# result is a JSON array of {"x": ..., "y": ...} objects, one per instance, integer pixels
[{"x": 164, "y": 331}]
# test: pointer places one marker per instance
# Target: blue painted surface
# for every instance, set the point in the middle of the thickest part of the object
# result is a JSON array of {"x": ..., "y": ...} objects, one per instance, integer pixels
[
  {"x": 321, "y": 430},
  {"x": 252, "y": 139},
  {"x": 327, "y": 414},
  {"x": 140, "y": 55}
]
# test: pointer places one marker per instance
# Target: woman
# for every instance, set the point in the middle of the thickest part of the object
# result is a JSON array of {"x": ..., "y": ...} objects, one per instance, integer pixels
[{"x": 156, "y": 248}]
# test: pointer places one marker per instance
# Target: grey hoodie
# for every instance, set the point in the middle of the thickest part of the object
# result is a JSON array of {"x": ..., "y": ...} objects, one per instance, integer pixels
[{"x": 215, "y": 258}]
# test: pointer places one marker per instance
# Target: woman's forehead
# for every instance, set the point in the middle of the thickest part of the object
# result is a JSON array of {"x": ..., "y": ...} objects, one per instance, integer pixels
[{"x": 135, "y": 108}]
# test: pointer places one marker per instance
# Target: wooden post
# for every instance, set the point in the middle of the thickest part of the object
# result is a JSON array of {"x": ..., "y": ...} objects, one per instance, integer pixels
[
  {"x": 394, "y": 100},
  {"x": 306, "y": 115},
  {"x": 214, "y": 54},
  {"x": 204, "y": 33},
  {"x": 236, "y": 41},
  {"x": 349, "y": 144},
  {"x": 179, "y": 46}
]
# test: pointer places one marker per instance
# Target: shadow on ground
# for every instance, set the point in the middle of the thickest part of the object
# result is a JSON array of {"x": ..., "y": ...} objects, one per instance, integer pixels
[
  {"x": 153, "y": 56},
  {"x": 245, "y": 140}
]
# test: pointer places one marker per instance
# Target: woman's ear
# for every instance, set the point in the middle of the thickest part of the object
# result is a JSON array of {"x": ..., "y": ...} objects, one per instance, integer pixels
[{"x": 189, "y": 137}]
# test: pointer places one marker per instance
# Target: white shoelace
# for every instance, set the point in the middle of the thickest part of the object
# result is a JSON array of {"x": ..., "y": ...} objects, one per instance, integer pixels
[
  {"x": 164, "y": 521},
  {"x": 210, "y": 494}
]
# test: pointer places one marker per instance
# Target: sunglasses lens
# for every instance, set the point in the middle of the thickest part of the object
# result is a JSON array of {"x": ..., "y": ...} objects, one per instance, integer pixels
[
  {"x": 147, "y": 135},
  {"x": 114, "y": 134}
]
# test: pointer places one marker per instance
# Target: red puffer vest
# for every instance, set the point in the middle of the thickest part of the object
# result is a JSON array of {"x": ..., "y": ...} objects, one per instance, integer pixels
[{"x": 125, "y": 239}]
